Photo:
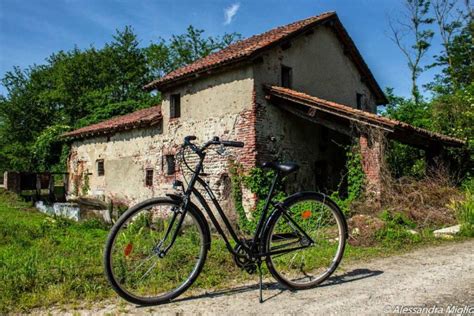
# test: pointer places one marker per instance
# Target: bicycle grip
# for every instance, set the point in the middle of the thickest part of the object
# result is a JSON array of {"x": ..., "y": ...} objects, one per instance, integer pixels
[
  {"x": 231, "y": 143},
  {"x": 189, "y": 138}
]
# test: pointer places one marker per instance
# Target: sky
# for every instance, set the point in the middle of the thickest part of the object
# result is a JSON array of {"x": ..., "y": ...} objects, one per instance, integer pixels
[{"x": 31, "y": 30}]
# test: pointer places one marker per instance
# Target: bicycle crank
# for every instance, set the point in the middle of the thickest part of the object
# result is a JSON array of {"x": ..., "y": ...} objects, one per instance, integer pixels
[{"x": 244, "y": 263}]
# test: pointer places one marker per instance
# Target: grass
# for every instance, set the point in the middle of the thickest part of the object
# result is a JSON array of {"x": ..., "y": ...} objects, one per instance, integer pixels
[{"x": 45, "y": 261}]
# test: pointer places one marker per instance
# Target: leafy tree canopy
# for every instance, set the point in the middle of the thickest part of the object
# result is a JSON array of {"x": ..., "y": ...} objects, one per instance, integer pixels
[{"x": 84, "y": 86}]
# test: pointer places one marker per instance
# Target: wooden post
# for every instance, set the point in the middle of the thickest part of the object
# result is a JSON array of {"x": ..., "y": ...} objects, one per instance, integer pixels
[
  {"x": 38, "y": 186},
  {"x": 51, "y": 195},
  {"x": 66, "y": 184}
]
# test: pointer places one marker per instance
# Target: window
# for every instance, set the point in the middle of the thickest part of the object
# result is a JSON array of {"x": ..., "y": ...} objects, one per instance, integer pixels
[
  {"x": 100, "y": 167},
  {"x": 360, "y": 98},
  {"x": 175, "y": 105},
  {"x": 149, "y": 177},
  {"x": 170, "y": 164},
  {"x": 286, "y": 76}
]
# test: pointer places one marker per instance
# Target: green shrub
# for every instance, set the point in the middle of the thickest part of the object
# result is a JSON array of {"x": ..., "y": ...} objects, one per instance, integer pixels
[
  {"x": 465, "y": 214},
  {"x": 355, "y": 180},
  {"x": 258, "y": 181},
  {"x": 395, "y": 232}
]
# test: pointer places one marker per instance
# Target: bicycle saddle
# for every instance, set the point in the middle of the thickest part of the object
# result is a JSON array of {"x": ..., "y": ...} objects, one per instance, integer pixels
[{"x": 285, "y": 167}]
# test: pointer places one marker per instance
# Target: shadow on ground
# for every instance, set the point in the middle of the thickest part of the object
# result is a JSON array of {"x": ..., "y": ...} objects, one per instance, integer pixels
[{"x": 350, "y": 276}]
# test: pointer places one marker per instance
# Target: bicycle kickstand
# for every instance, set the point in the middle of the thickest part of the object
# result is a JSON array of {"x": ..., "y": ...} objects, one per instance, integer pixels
[{"x": 259, "y": 265}]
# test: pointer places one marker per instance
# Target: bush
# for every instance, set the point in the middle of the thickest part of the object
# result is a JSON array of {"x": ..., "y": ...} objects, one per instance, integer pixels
[
  {"x": 355, "y": 181},
  {"x": 396, "y": 231},
  {"x": 465, "y": 211}
]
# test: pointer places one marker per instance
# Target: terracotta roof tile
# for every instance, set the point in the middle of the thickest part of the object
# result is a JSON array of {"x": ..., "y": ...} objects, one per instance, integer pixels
[
  {"x": 141, "y": 118},
  {"x": 361, "y": 116},
  {"x": 239, "y": 50}
]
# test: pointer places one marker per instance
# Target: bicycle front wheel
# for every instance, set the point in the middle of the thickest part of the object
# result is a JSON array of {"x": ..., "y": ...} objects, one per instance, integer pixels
[
  {"x": 135, "y": 263},
  {"x": 300, "y": 262}
]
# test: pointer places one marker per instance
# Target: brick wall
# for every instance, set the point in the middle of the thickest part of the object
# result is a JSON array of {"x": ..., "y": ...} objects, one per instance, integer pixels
[{"x": 371, "y": 152}]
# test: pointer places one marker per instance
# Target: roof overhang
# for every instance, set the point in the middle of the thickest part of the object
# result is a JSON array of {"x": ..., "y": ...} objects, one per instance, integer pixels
[
  {"x": 343, "y": 119},
  {"x": 143, "y": 118}
]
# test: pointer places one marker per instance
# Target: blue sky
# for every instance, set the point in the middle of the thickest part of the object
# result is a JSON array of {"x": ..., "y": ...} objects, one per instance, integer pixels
[{"x": 30, "y": 30}]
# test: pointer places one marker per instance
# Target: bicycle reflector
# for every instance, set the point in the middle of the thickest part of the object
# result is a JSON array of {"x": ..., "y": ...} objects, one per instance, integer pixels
[
  {"x": 306, "y": 214},
  {"x": 128, "y": 249}
]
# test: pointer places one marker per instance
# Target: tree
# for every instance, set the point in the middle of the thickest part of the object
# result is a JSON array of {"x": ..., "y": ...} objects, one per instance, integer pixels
[
  {"x": 84, "y": 86},
  {"x": 413, "y": 23},
  {"x": 166, "y": 56}
]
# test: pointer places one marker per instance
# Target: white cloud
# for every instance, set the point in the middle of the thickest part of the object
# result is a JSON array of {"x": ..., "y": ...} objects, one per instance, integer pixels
[{"x": 230, "y": 12}]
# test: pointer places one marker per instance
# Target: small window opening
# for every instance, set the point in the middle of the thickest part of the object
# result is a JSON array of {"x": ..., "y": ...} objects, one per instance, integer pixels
[
  {"x": 149, "y": 177},
  {"x": 100, "y": 167},
  {"x": 359, "y": 97},
  {"x": 170, "y": 164},
  {"x": 286, "y": 79},
  {"x": 175, "y": 105}
]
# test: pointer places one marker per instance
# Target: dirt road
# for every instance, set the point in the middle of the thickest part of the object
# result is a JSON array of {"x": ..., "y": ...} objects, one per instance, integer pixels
[{"x": 440, "y": 275}]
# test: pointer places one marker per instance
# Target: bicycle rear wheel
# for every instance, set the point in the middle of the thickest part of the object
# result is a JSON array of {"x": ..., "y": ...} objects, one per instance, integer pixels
[
  {"x": 134, "y": 263},
  {"x": 323, "y": 222}
]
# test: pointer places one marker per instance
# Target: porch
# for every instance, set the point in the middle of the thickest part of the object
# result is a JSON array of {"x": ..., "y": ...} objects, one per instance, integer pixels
[{"x": 370, "y": 130}]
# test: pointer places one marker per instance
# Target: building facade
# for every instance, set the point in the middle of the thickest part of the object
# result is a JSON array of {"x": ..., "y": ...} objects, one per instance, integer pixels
[{"x": 292, "y": 93}]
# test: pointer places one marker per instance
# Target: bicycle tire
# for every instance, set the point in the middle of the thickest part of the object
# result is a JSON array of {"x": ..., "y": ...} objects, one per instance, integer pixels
[
  {"x": 196, "y": 215},
  {"x": 278, "y": 215}
]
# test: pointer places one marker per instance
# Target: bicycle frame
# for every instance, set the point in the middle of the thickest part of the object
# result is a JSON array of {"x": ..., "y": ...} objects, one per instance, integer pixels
[{"x": 254, "y": 251}]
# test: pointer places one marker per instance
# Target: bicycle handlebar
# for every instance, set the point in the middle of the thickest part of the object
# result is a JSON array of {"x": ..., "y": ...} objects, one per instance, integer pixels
[
  {"x": 231, "y": 143},
  {"x": 214, "y": 141}
]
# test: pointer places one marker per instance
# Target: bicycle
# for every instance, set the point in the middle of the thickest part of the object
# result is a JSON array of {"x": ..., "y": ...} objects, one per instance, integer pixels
[{"x": 302, "y": 240}]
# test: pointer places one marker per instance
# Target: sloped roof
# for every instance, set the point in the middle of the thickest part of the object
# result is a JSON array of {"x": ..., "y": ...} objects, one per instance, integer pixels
[
  {"x": 247, "y": 49},
  {"x": 141, "y": 118},
  {"x": 400, "y": 131}
]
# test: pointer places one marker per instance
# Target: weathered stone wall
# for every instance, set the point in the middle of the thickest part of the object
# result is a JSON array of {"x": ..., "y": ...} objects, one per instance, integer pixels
[
  {"x": 232, "y": 105},
  {"x": 215, "y": 106},
  {"x": 319, "y": 68}
]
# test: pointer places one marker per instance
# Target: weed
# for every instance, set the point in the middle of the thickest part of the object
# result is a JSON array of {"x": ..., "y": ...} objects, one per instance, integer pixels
[
  {"x": 396, "y": 231},
  {"x": 465, "y": 213}
]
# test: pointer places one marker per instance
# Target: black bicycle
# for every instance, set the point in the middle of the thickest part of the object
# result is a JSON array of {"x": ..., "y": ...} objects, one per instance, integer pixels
[{"x": 302, "y": 240}]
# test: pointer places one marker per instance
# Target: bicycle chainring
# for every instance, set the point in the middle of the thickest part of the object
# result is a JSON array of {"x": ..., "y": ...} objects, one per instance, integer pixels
[{"x": 246, "y": 263}]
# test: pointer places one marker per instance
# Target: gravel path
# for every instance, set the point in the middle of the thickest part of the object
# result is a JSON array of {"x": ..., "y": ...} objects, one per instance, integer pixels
[{"x": 440, "y": 275}]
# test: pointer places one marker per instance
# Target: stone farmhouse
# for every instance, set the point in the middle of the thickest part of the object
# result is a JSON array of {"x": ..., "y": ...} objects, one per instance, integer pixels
[{"x": 299, "y": 92}]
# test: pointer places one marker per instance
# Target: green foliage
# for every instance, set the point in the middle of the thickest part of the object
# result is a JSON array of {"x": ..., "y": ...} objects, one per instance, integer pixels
[
  {"x": 48, "y": 148},
  {"x": 453, "y": 114},
  {"x": 450, "y": 109},
  {"x": 47, "y": 260},
  {"x": 84, "y": 86},
  {"x": 465, "y": 209},
  {"x": 258, "y": 181},
  {"x": 85, "y": 185},
  {"x": 456, "y": 61},
  {"x": 355, "y": 180},
  {"x": 183, "y": 49},
  {"x": 395, "y": 232}
]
